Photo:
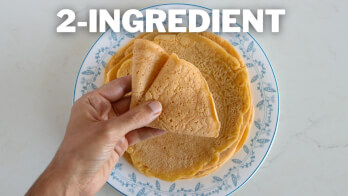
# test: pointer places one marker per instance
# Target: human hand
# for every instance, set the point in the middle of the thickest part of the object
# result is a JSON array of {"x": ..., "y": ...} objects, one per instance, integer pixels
[{"x": 100, "y": 128}]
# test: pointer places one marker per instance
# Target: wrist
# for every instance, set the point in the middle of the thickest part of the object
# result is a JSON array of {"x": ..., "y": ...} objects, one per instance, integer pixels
[{"x": 55, "y": 181}]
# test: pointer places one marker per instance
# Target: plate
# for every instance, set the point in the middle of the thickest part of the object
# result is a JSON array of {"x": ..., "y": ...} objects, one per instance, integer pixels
[{"x": 241, "y": 167}]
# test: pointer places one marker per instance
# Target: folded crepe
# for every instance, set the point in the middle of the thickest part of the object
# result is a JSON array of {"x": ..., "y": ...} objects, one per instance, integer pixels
[
  {"x": 176, "y": 156},
  {"x": 188, "y": 106}
]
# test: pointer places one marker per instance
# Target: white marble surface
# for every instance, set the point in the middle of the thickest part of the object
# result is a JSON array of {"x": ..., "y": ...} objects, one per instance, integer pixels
[{"x": 309, "y": 155}]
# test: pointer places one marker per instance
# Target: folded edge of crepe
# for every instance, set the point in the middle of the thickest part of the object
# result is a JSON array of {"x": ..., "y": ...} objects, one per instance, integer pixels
[{"x": 188, "y": 105}]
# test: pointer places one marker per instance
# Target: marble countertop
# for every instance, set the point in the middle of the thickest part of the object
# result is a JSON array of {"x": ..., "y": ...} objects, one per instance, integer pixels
[{"x": 310, "y": 152}]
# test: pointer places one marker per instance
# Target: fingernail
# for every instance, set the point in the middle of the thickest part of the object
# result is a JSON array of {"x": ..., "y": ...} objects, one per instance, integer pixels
[
  {"x": 160, "y": 132},
  {"x": 155, "y": 106}
]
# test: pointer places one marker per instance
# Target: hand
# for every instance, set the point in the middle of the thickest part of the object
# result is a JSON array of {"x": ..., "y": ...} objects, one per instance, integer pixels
[{"x": 100, "y": 128}]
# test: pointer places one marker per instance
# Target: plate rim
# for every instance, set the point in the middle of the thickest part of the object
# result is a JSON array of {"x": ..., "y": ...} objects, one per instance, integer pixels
[{"x": 264, "y": 53}]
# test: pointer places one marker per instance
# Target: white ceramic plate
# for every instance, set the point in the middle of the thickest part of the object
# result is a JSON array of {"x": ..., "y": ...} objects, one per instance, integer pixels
[{"x": 243, "y": 165}]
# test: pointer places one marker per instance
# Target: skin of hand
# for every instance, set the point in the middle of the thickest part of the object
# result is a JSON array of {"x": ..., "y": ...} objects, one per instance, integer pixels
[{"x": 100, "y": 129}]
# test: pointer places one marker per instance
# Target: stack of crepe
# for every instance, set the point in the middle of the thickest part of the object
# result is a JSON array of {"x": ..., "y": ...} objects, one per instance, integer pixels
[{"x": 203, "y": 86}]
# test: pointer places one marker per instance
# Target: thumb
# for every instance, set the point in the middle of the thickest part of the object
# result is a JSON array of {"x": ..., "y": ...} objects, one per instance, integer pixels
[{"x": 135, "y": 118}]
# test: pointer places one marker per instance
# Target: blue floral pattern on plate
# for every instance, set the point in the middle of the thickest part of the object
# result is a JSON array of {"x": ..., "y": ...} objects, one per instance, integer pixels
[{"x": 236, "y": 171}]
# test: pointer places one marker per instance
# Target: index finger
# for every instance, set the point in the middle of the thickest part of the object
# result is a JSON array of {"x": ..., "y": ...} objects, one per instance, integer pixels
[{"x": 116, "y": 89}]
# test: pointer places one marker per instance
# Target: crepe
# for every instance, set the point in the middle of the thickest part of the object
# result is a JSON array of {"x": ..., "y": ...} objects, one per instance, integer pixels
[
  {"x": 222, "y": 158},
  {"x": 229, "y": 152},
  {"x": 172, "y": 156},
  {"x": 172, "y": 153},
  {"x": 148, "y": 60},
  {"x": 224, "y": 44},
  {"x": 118, "y": 56},
  {"x": 188, "y": 106},
  {"x": 125, "y": 52},
  {"x": 113, "y": 71},
  {"x": 225, "y": 155},
  {"x": 125, "y": 68}
]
